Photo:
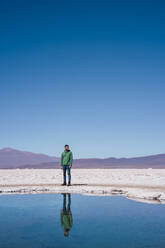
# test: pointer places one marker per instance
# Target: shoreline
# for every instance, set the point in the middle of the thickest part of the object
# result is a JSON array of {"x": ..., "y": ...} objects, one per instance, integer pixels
[
  {"x": 146, "y": 185},
  {"x": 133, "y": 193}
]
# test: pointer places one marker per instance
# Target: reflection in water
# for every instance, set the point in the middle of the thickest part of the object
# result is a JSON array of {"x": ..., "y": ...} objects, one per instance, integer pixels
[
  {"x": 66, "y": 215},
  {"x": 33, "y": 221}
]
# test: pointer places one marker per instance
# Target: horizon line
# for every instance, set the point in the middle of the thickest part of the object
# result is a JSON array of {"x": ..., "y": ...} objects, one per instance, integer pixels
[{"x": 38, "y": 153}]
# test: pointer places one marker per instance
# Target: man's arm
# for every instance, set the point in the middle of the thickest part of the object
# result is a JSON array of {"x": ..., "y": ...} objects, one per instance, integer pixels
[
  {"x": 70, "y": 220},
  {"x": 61, "y": 163},
  {"x": 71, "y": 159},
  {"x": 61, "y": 218}
]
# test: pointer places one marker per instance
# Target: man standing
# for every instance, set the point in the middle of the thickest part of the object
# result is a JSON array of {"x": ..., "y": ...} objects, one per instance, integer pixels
[{"x": 66, "y": 164}]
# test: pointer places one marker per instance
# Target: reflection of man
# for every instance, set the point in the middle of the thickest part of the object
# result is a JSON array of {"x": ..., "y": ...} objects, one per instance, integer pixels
[{"x": 66, "y": 215}]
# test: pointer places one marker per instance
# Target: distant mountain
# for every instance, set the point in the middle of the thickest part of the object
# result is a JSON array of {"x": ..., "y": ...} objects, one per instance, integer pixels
[
  {"x": 11, "y": 158},
  {"x": 154, "y": 161}
]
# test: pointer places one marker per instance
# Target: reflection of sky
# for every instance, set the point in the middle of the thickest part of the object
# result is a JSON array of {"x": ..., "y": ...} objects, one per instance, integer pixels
[{"x": 34, "y": 221}]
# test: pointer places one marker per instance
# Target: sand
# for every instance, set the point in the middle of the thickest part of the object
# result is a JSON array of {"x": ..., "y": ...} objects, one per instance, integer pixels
[{"x": 146, "y": 185}]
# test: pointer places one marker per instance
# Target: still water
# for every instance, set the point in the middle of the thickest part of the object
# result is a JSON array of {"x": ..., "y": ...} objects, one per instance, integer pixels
[{"x": 60, "y": 220}]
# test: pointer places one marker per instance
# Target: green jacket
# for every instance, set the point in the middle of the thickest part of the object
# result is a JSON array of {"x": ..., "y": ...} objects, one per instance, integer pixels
[
  {"x": 66, "y": 158},
  {"x": 66, "y": 221}
]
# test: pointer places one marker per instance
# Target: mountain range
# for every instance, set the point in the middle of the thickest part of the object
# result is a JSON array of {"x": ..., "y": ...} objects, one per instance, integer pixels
[{"x": 12, "y": 158}]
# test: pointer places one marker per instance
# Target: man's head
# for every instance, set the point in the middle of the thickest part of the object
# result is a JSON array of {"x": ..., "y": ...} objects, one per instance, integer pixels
[
  {"x": 66, "y": 233},
  {"x": 66, "y": 147}
]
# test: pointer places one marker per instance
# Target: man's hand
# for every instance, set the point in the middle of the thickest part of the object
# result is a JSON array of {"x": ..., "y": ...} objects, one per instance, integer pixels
[{"x": 70, "y": 166}]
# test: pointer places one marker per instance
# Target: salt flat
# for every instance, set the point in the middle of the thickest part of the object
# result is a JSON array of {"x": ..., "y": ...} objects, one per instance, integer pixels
[{"x": 140, "y": 184}]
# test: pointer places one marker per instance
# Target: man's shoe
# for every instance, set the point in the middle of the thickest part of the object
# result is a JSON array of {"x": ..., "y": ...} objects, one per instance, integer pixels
[
  {"x": 69, "y": 184},
  {"x": 63, "y": 184}
]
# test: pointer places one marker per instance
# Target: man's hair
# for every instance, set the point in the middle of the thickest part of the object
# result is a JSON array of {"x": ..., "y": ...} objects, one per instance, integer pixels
[
  {"x": 66, "y": 145},
  {"x": 66, "y": 232}
]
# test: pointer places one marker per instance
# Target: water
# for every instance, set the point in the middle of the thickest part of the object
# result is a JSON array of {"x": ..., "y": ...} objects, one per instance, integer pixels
[{"x": 92, "y": 221}]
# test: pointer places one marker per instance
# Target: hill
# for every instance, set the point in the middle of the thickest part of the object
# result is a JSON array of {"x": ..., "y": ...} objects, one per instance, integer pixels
[{"x": 12, "y": 158}]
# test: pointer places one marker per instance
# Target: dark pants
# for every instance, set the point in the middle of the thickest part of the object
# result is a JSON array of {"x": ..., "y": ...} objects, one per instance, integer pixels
[
  {"x": 66, "y": 209},
  {"x": 66, "y": 168}
]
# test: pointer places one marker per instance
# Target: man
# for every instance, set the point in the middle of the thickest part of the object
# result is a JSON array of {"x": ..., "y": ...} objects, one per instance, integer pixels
[
  {"x": 66, "y": 215},
  {"x": 66, "y": 164}
]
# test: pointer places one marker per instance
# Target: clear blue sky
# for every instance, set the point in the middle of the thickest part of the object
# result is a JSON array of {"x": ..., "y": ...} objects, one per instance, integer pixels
[{"x": 87, "y": 73}]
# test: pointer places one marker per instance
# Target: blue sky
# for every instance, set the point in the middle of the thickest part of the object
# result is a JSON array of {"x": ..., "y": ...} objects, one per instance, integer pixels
[{"x": 87, "y": 73}]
